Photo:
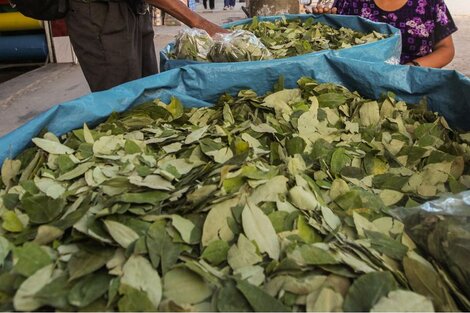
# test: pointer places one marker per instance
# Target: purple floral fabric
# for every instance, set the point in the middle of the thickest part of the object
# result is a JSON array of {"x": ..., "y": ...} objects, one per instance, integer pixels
[{"x": 422, "y": 23}]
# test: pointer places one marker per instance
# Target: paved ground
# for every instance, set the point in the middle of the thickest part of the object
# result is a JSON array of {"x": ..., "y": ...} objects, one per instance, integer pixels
[
  {"x": 461, "y": 61},
  {"x": 459, "y": 7},
  {"x": 24, "y": 97}
]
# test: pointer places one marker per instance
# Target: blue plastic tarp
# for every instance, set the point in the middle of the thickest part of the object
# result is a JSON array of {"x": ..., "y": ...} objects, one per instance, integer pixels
[
  {"x": 385, "y": 50},
  {"x": 448, "y": 92}
]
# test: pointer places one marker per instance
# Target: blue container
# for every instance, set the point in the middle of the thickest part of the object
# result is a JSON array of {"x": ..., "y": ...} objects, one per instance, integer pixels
[
  {"x": 385, "y": 50},
  {"x": 447, "y": 92},
  {"x": 23, "y": 48}
]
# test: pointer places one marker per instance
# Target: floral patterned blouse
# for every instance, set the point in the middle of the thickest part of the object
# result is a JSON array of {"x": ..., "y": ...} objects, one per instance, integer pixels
[{"x": 422, "y": 23}]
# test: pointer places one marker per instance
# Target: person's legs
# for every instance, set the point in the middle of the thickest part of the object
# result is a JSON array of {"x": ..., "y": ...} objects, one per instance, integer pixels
[
  {"x": 149, "y": 56},
  {"x": 226, "y": 4},
  {"x": 212, "y": 4},
  {"x": 204, "y": 2},
  {"x": 109, "y": 42},
  {"x": 84, "y": 35}
]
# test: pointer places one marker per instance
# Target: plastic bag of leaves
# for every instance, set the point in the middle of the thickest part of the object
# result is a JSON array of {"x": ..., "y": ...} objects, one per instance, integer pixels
[
  {"x": 442, "y": 229},
  {"x": 192, "y": 44},
  {"x": 238, "y": 46}
]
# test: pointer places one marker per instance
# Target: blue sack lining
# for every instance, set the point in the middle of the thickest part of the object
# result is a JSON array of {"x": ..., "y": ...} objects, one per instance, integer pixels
[
  {"x": 385, "y": 50},
  {"x": 448, "y": 92}
]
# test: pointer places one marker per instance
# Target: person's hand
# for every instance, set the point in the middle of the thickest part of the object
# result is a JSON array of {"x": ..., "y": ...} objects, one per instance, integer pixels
[
  {"x": 212, "y": 28},
  {"x": 320, "y": 9}
]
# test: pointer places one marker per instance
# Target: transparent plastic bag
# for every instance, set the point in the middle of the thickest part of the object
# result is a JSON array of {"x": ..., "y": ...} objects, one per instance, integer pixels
[
  {"x": 238, "y": 46},
  {"x": 442, "y": 229},
  {"x": 192, "y": 44}
]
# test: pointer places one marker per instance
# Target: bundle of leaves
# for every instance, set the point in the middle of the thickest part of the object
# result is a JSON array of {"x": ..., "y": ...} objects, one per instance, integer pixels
[
  {"x": 282, "y": 38},
  {"x": 192, "y": 44},
  {"x": 238, "y": 46},
  {"x": 442, "y": 228},
  {"x": 271, "y": 202},
  {"x": 288, "y": 38}
]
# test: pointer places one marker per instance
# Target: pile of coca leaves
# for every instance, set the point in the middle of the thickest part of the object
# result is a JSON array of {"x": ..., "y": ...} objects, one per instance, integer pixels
[
  {"x": 274, "y": 202},
  {"x": 265, "y": 40},
  {"x": 288, "y": 38}
]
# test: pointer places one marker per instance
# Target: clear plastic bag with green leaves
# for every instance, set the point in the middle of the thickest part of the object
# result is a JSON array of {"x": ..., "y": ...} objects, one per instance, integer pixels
[
  {"x": 192, "y": 44},
  {"x": 238, "y": 46},
  {"x": 442, "y": 229}
]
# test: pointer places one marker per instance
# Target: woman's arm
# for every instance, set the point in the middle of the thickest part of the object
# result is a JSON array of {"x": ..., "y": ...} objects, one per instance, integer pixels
[
  {"x": 182, "y": 13},
  {"x": 442, "y": 55}
]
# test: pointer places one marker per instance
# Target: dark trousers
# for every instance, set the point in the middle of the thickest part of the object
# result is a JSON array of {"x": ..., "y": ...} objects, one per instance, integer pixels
[
  {"x": 211, "y": 4},
  {"x": 113, "y": 44}
]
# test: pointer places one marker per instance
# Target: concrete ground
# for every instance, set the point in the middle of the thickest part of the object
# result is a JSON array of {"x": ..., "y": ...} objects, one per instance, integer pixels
[
  {"x": 24, "y": 97},
  {"x": 461, "y": 60}
]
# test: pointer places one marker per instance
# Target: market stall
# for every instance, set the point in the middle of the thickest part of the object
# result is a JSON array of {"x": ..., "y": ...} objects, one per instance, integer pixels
[
  {"x": 260, "y": 195},
  {"x": 286, "y": 36},
  {"x": 298, "y": 178}
]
